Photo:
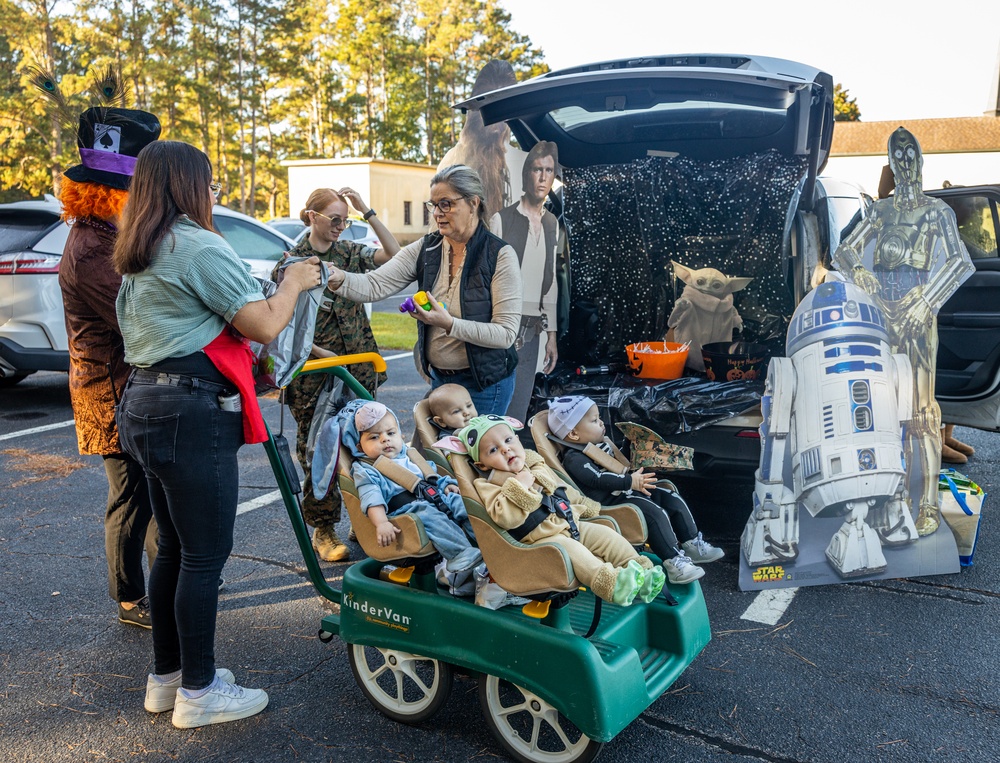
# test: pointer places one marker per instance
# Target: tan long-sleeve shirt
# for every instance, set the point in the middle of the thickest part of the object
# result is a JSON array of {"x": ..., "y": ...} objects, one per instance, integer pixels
[{"x": 446, "y": 350}]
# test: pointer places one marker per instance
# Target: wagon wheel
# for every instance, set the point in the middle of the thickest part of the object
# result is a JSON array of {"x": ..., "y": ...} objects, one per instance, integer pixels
[
  {"x": 404, "y": 687},
  {"x": 529, "y": 728}
]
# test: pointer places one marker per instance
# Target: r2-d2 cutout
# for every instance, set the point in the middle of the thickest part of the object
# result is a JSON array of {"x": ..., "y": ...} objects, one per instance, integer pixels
[{"x": 837, "y": 404}]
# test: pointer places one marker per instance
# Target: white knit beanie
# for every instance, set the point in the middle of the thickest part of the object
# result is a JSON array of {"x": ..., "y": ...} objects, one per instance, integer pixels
[{"x": 566, "y": 412}]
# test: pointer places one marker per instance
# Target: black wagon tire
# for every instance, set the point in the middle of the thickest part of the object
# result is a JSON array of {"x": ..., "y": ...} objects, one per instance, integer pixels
[
  {"x": 402, "y": 686},
  {"x": 529, "y": 728}
]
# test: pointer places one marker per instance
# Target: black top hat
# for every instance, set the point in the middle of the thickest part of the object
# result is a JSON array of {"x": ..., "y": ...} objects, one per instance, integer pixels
[{"x": 109, "y": 140}]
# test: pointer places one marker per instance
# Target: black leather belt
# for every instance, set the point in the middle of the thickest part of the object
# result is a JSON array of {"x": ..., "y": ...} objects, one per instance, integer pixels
[
  {"x": 450, "y": 371},
  {"x": 178, "y": 380}
]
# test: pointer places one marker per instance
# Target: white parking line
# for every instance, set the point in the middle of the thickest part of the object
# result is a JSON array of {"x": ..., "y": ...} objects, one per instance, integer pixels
[
  {"x": 35, "y": 430},
  {"x": 254, "y": 503},
  {"x": 259, "y": 502},
  {"x": 769, "y": 606}
]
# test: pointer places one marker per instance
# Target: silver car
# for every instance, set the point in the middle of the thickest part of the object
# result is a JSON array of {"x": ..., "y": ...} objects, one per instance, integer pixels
[
  {"x": 32, "y": 237},
  {"x": 359, "y": 232}
]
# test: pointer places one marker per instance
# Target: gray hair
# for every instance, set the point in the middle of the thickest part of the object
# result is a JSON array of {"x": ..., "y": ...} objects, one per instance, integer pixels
[{"x": 466, "y": 182}]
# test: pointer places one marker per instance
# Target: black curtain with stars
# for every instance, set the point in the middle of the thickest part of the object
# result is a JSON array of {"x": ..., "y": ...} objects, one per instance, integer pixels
[{"x": 627, "y": 222}]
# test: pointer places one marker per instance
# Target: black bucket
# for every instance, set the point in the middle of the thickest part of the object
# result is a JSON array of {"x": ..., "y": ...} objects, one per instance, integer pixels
[{"x": 735, "y": 361}]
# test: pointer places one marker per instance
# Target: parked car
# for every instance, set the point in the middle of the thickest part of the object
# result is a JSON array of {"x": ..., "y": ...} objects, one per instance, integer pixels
[
  {"x": 32, "y": 237},
  {"x": 359, "y": 231},
  {"x": 629, "y": 208},
  {"x": 288, "y": 226}
]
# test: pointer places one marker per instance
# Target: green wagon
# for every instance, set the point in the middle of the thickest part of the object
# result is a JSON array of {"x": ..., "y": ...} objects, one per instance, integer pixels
[{"x": 549, "y": 694}]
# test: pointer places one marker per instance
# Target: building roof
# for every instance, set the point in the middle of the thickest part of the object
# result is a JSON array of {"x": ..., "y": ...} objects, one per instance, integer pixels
[
  {"x": 352, "y": 161},
  {"x": 936, "y": 136}
]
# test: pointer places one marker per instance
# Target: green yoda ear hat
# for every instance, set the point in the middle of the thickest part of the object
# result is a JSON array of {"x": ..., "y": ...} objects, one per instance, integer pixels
[{"x": 466, "y": 440}]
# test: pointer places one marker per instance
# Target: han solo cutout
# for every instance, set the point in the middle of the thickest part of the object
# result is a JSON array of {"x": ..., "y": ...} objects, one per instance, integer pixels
[{"x": 533, "y": 233}]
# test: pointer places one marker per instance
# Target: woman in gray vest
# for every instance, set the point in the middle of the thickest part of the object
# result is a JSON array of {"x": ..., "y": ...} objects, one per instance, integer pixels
[{"x": 469, "y": 339}]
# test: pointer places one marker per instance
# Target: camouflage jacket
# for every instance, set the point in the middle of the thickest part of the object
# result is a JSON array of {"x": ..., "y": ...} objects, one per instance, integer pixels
[{"x": 342, "y": 325}]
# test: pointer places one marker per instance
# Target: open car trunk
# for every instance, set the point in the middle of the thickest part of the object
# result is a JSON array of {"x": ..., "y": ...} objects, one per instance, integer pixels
[{"x": 626, "y": 223}]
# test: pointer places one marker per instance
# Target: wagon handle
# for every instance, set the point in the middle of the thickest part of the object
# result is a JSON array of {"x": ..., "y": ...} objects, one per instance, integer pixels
[
  {"x": 333, "y": 365},
  {"x": 329, "y": 366}
]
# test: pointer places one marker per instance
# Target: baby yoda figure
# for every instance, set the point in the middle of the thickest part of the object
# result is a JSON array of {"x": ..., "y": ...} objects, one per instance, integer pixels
[{"x": 705, "y": 311}]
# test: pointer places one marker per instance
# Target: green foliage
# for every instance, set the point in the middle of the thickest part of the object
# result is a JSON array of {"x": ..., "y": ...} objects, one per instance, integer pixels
[
  {"x": 253, "y": 82},
  {"x": 845, "y": 108}
]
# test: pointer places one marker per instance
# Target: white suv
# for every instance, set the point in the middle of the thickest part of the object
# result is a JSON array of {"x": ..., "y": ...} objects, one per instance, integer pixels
[{"x": 32, "y": 237}]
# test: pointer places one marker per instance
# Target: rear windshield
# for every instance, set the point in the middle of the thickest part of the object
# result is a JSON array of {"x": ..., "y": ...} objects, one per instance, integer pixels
[
  {"x": 21, "y": 229},
  {"x": 689, "y": 120}
]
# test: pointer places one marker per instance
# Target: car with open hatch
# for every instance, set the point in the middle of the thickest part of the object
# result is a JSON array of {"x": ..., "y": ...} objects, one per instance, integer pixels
[{"x": 715, "y": 161}]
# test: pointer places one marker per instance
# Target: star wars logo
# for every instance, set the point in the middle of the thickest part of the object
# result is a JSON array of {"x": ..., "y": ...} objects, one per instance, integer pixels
[{"x": 769, "y": 574}]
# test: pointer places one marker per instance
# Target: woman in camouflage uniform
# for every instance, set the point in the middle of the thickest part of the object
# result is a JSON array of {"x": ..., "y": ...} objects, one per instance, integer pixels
[{"x": 342, "y": 328}]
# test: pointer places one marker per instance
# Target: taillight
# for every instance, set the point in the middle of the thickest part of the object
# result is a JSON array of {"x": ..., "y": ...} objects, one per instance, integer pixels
[
  {"x": 751, "y": 433},
  {"x": 28, "y": 263}
]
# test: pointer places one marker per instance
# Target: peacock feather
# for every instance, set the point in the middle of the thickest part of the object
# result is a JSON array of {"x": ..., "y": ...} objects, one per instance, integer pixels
[
  {"x": 58, "y": 106},
  {"x": 108, "y": 88}
]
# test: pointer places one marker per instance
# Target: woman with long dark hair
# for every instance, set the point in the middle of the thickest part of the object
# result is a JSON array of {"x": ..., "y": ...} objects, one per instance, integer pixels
[{"x": 186, "y": 303}]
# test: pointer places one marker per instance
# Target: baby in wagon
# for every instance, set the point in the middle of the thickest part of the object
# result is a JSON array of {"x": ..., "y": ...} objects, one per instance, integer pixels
[
  {"x": 526, "y": 498},
  {"x": 576, "y": 423},
  {"x": 451, "y": 408},
  {"x": 371, "y": 432}
]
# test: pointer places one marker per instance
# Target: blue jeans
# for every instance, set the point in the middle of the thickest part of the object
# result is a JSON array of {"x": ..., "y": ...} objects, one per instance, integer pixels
[
  {"x": 494, "y": 399},
  {"x": 448, "y": 534},
  {"x": 187, "y": 447}
]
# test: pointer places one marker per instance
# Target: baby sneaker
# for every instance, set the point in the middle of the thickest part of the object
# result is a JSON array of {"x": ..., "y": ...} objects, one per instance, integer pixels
[
  {"x": 628, "y": 583},
  {"x": 701, "y": 551},
  {"x": 680, "y": 569},
  {"x": 652, "y": 584}
]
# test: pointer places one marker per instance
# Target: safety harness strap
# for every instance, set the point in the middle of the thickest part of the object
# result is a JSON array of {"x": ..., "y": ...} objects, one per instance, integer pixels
[{"x": 414, "y": 488}]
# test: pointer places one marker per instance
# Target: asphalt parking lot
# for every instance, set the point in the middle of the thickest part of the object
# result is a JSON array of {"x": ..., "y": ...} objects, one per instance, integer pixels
[{"x": 896, "y": 670}]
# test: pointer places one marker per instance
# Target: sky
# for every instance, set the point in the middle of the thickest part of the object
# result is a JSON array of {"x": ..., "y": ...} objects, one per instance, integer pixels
[{"x": 898, "y": 60}]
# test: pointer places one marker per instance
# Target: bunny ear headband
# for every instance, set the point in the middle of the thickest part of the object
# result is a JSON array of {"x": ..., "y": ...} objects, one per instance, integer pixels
[{"x": 466, "y": 440}]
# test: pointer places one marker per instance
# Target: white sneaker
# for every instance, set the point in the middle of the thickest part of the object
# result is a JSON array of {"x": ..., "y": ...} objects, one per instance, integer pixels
[
  {"x": 701, "y": 551},
  {"x": 223, "y": 702},
  {"x": 160, "y": 695},
  {"x": 680, "y": 569}
]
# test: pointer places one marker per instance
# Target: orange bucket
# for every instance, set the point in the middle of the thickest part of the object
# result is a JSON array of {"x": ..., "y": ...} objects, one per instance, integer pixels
[{"x": 657, "y": 360}]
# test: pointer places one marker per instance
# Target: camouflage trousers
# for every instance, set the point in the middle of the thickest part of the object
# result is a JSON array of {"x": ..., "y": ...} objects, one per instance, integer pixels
[{"x": 301, "y": 396}]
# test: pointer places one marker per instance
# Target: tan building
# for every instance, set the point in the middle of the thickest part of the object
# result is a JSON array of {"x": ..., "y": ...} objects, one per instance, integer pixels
[
  {"x": 957, "y": 151},
  {"x": 396, "y": 190},
  {"x": 960, "y": 151}
]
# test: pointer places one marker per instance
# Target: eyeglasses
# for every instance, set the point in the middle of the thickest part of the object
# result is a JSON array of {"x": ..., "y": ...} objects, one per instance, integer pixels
[
  {"x": 216, "y": 189},
  {"x": 335, "y": 222},
  {"x": 445, "y": 205}
]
